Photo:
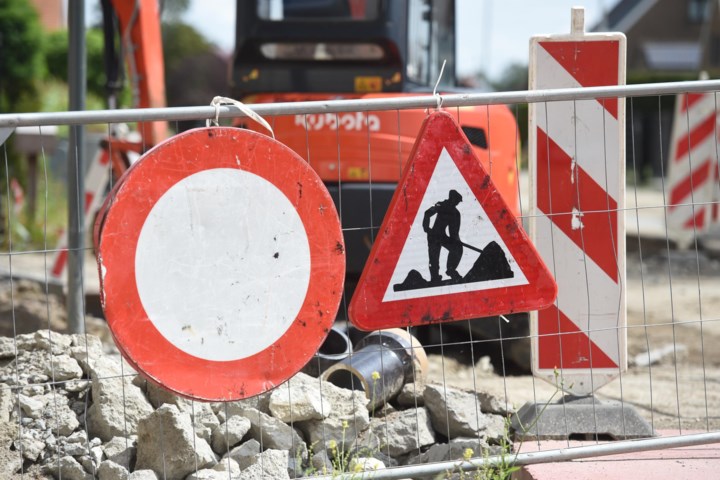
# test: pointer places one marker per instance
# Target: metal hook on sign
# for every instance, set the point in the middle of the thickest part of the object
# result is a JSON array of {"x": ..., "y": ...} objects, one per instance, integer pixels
[
  {"x": 218, "y": 101},
  {"x": 216, "y": 121},
  {"x": 437, "y": 96}
]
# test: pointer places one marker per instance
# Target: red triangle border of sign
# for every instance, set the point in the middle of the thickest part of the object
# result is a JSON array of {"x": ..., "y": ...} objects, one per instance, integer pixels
[{"x": 367, "y": 310}]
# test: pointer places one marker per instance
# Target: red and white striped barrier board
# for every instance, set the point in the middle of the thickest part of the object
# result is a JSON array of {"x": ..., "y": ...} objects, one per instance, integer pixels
[
  {"x": 18, "y": 195},
  {"x": 692, "y": 168},
  {"x": 577, "y": 160}
]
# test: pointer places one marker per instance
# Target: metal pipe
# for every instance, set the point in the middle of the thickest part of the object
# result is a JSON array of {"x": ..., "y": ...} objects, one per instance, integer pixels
[
  {"x": 381, "y": 364},
  {"x": 335, "y": 348},
  {"x": 531, "y": 458},
  {"x": 358, "y": 105},
  {"x": 77, "y": 75}
]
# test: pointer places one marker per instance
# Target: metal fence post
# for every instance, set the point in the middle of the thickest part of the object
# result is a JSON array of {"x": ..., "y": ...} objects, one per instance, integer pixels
[{"x": 76, "y": 172}]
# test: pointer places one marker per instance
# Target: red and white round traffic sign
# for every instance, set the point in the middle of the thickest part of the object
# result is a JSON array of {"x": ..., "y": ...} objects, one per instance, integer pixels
[{"x": 221, "y": 262}]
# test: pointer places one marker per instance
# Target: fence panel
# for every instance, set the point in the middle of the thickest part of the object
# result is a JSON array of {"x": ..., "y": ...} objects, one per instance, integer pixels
[{"x": 428, "y": 401}]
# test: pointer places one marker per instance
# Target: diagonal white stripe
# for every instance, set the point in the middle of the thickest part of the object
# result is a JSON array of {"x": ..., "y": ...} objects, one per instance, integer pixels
[
  {"x": 683, "y": 123},
  {"x": 678, "y": 171},
  {"x": 698, "y": 111},
  {"x": 584, "y": 123},
  {"x": 583, "y": 287}
]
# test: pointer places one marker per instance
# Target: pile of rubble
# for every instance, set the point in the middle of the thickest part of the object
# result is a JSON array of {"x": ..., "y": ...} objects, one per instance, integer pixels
[{"x": 70, "y": 410}]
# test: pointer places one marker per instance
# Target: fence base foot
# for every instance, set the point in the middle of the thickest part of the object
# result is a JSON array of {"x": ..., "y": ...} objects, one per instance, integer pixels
[{"x": 580, "y": 418}]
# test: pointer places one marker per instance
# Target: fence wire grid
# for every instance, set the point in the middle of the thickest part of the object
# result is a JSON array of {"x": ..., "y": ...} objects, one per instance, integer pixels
[{"x": 71, "y": 407}]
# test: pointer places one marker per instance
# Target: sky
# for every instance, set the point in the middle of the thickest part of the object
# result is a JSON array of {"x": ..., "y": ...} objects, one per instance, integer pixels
[{"x": 492, "y": 34}]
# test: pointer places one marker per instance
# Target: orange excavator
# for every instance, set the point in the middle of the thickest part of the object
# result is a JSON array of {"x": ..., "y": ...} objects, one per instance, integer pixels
[
  {"x": 137, "y": 24},
  {"x": 305, "y": 50}
]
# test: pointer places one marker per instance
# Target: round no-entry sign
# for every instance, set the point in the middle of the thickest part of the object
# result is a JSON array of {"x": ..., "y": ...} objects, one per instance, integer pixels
[{"x": 221, "y": 262}]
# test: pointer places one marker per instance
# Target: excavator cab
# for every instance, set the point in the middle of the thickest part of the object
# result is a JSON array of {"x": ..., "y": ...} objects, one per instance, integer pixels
[
  {"x": 305, "y": 50},
  {"x": 342, "y": 46}
]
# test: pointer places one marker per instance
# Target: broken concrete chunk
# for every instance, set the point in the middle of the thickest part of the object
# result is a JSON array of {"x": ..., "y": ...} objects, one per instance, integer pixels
[
  {"x": 298, "y": 399},
  {"x": 348, "y": 417},
  {"x": 121, "y": 450},
  {"x": 143, "y": 475},
  {"x": 227, "y": 435},
  {"x": 30, "y": 446},
  {"x": 109, "y": 470},
  {"x": 167, "y": 445},
  {"x": 32, "y": 406},
  {"x": 117, "y": 406},
  {"x": 245, "y": 454},
  {"x": 402, "y": 432},
  {"x": 53, "y": 342},
  {"x": 456, "y": 413},
  {"x": 269, "y": 464},
  {"x": 68, "y": 468},
  {"x": 274, "y": 434}
]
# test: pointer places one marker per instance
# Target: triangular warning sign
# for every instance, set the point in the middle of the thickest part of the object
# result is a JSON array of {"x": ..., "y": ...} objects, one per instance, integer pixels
[{"x": 449, "y": 247}]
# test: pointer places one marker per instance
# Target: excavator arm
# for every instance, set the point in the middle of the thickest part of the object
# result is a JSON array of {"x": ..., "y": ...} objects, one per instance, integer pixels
[{"x": 138, "y": 25}]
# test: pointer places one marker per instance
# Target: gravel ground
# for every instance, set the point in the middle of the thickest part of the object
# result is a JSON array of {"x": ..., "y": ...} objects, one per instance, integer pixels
[{"x": 673, "y": 303}]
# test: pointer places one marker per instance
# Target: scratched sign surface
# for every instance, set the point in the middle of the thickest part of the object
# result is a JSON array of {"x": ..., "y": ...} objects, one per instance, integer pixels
[
  {"x": 449, "y": 247},
  {"x": 221, "y": 261}
]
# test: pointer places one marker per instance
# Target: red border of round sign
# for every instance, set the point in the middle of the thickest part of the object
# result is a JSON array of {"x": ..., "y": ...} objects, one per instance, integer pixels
[{"x": 125, "y": 213}]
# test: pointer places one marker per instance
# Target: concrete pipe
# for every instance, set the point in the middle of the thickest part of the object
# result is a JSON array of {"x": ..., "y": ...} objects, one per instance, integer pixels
[{"x": 381, "y": 364}]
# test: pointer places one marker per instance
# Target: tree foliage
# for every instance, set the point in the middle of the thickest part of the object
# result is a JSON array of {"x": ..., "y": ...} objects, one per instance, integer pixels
[
  {"x": 195, "y": 81},
  {"x": 180, "y": 41},
  {"x": 56, "y": 55},
  {"x": 194, "y": 72},
  {"x": 172, "y": 10},
  {"x": 29, "y": 57},
  {"x": 21, "y": 56},
  {"x": 513, "y": 78}
]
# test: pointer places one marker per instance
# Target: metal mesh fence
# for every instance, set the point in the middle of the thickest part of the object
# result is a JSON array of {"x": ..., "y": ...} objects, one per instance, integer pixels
[{"x": 71, "y": 407}]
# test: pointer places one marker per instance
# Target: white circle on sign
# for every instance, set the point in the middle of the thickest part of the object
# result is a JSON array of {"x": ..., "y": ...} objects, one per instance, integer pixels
[{"x": 222, "y": 264}]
